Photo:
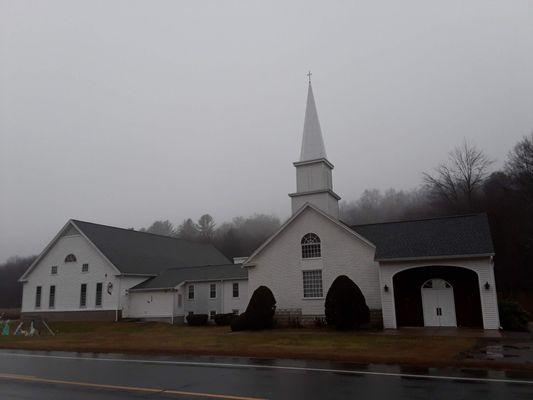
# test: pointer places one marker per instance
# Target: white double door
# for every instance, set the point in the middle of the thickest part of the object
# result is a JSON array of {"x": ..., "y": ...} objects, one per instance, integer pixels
[{"x": 438, "y": 303}]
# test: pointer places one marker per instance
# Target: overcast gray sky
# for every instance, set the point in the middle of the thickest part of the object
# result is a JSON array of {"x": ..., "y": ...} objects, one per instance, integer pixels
[{"x": 124, "y": 112}]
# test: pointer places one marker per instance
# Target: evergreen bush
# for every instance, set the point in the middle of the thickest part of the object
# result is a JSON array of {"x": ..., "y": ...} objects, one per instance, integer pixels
[
  {"x": 260, "y": 312},
  {"x": 345, "y": 306}
]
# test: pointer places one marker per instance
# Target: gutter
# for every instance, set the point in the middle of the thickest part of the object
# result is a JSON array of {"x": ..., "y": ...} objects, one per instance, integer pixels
[{"x": 444, "y": 257}]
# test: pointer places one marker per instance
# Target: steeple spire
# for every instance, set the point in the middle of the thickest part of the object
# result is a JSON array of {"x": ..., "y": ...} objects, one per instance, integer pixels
[
  {"x": 312, "y": 143},
  {"x": 313, "y": 171}
]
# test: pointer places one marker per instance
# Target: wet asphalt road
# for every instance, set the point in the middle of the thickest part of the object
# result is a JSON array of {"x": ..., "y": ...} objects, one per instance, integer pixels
[{"x": 58, "y": 375}]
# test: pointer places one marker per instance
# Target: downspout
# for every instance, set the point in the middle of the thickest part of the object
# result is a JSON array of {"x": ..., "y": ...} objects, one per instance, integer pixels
[
  {"x": 173, "y": 306},
  {"x": 221, "y": 297},
  {"x": 118, "y": 297}
]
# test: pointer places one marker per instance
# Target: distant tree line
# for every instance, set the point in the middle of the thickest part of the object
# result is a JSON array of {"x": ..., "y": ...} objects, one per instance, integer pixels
[
  {"x": 238, "y": 238},
  {"x": 464, "y": 183},
  {"x": 10, "y": 288}
]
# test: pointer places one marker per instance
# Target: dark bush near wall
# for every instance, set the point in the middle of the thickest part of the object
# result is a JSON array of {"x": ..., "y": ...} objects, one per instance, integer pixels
[
  {"x": 345, "y": 305},
  {"x": 197, "y": 319},
  {"x": 225, "y": 319},
  {"x": 260, "y": 312},
  {"x": 512, "y": 316}
]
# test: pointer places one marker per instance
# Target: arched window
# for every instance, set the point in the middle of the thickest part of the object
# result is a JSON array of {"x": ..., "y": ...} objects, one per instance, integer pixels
[
  {"x": 70, "y": 258},
  {"x": 311, "y": 246},
  {"x": 436, "y": 284}
]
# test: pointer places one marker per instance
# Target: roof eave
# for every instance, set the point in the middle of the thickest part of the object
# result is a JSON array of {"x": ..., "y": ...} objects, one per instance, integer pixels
[
  {"x": 314, "y": 161},
  {"x": 441, "y": 257},
  {"x": 214, "y": 280},
  {"x": 171, "y": 288},
  {"x": 331, "y": 192}
]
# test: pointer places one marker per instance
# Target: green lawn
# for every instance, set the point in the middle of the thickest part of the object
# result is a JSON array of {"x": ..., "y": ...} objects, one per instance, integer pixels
[{"x": 152, "y": 337}]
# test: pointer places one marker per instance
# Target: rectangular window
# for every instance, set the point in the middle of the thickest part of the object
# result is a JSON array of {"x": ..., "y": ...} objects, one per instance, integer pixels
[
  {"x": 311, "y": 250},
  {"x": 53, "y": 270},
  {"x": 52, "y": 297},
  {"x": 85, "y": 268},
  {"x": 213, "y": 291},
  {"x": 83, "y": 295},
  {"x": 191, "y": 292},
  {"x": 236, "y": 289},
  {"x": 313, "y": 283},
  {"x": 98, "y": 298},
  {"x": 38, "y": 292},
  {"x": 212, "y": 314}
]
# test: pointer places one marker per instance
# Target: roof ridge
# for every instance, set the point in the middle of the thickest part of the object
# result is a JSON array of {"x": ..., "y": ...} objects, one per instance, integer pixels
[
  {"x": 136, "y": 231},
  {"x": 421, "y": 219}
]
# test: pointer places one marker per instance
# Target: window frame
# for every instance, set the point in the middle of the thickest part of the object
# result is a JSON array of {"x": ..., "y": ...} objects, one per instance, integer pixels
[
  {"x": 211, "y": 291},
  {"x": 53, "y": 270},
  {"x": 189, "y": 292},
  {"x": 38, "y": 296},
  {"x": 52, "y": 297},
  {"x": 83, "y": 295},
  {"x": 309, "y": 291},
  {"x": 99, "y": 295},
  {"x": 85, "y": 268},
  {"x": 237, "y": 286},
  {"x": 212, "y": 315},
  {"x": 311, "y": 246},
  {"x": 71, "y": 258}
]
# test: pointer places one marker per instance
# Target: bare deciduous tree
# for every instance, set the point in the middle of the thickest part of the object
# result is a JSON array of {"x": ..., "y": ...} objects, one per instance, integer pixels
[
  {"x": 459, "y": 180},
  {"x": 206, "y": 227},
  {"x": 519, "y": 167}
]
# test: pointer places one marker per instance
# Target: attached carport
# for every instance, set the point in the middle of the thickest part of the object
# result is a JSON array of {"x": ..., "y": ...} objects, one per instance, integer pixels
[{"x": 454, "y": 253}]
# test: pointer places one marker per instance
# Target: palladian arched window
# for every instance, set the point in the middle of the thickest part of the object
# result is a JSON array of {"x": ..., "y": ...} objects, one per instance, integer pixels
[
  {"x": 70, "y": 258},
  {"x": 311, "y": 246}
]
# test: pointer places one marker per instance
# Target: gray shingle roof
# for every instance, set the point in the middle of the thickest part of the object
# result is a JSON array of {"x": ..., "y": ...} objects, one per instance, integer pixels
[
  {"x": 174, "y": 276},
  {"x": 134, "y": 252},
  {"x": 446, "y": 236}
]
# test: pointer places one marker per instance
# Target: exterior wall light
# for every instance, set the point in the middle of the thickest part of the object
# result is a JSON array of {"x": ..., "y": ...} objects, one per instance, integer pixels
[
  {"x": 385, "y": 288},
  {"x": 487, "y": 286}
]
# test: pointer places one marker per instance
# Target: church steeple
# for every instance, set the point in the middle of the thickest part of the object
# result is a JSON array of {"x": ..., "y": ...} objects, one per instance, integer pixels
[
  {"x": 312, "y": 142},
  {"x": 314, "y": 172}
]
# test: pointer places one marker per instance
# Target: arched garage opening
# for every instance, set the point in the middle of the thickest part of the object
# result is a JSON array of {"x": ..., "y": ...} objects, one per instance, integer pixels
[{"x": 408, "y": 294}]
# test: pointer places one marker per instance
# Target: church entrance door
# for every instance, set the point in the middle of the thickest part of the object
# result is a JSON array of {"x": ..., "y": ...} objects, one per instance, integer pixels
[{"x": 438, "y": 303}]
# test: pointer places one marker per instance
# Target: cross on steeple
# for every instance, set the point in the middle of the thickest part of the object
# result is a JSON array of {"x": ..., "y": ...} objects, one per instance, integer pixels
[{"x": 309, "y": 76}]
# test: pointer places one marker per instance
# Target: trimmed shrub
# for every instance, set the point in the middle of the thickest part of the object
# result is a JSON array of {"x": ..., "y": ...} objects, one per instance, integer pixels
[
  {"x": 239, "y": 323},
  {"x": 197, "y": 319},
  {"x": 345, "y": 305},
  {"x": 260, "y": 312},
  {"x": 512, "y": 316},
  {"x": 225, "y": 319}
]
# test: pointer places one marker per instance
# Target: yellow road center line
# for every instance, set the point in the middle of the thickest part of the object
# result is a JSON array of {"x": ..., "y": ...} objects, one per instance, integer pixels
[{"x": 28, "y": 378}]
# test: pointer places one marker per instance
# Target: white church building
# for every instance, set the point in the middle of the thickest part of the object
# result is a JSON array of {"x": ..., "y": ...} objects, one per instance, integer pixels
[
  {"x": 427, "y": 272},
  {"x": 98, "y": 272}
]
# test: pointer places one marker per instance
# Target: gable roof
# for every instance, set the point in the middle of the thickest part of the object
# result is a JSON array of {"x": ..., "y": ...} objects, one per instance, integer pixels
[
  {"x": 306, "y": 206},
  {"x": 172, "y": 277},
  {"x": 459, "y": 235},
  {"x": 133, "y": 252}
]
